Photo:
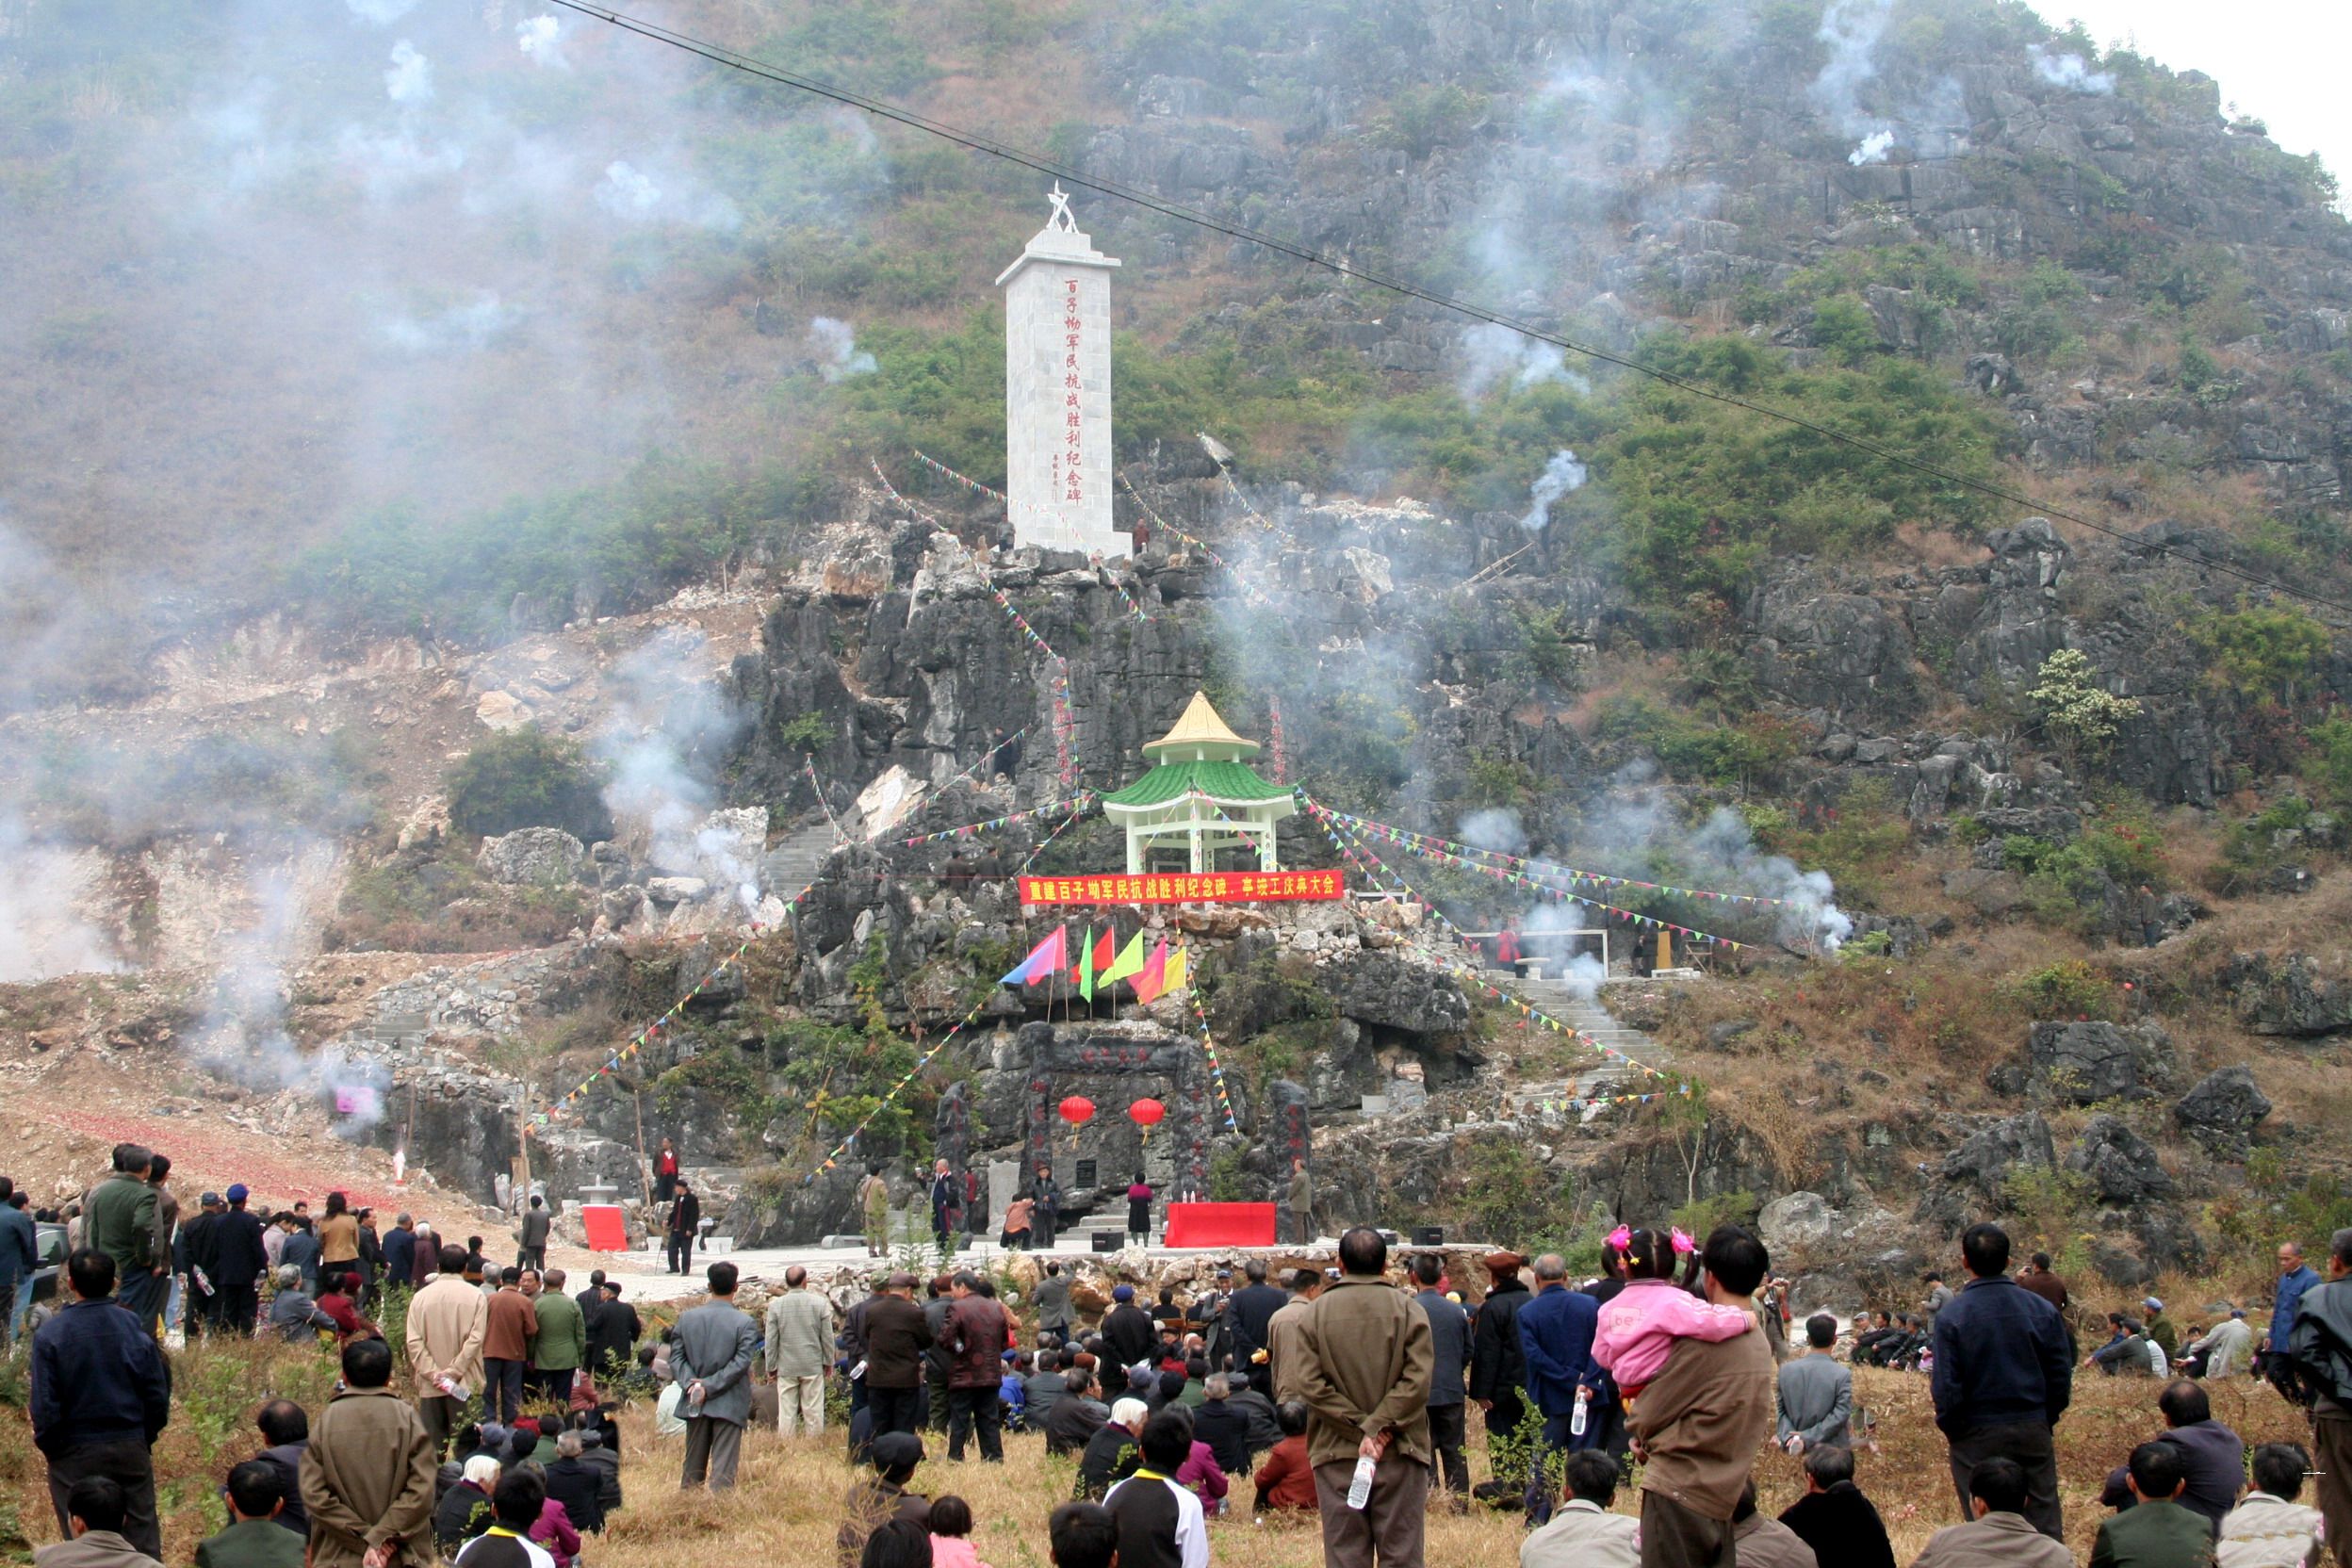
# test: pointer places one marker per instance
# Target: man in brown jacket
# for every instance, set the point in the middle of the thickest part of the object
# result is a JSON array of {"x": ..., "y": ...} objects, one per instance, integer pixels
[
  {"x": 1698, "y": 1424},
  {"x": 446, "y": 1322},
  {"x": 978, "y": 1330},
  {"x": 367, "y": 1477},
  {"x": 1366, "y": 1363},
  {"x": 506, "y": 1347},
  {"x": 897, "y": 1334}
]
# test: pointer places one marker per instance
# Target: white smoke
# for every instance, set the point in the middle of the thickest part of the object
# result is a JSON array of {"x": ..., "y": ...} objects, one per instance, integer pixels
[
  {"x": 2072, "y": 73},
  {"x": 1560, "y": 476},
  {"x": 1852, "y": 29},
  {"x": 638, "y": 196},
  {"x": 243, "y": 1036},
  {"x": 1872, "y": 148},
  {"x": 382, "y": 12},
  {"x": 41, "y": 936},
  {"x": 1494, "y": 828},
  {"x": 541, "y": 40},
  {"x": 1810, "y": 912},
  {"x": 671, "y": 730},
  {"x": 835, "y": 346},
  {"x": 410, "y": 79},
  {"x": 1495, "y": 357},
  {"x": 625, "y": 194}
]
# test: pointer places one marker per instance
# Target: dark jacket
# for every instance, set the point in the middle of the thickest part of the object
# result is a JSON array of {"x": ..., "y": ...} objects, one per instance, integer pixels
[
  {"x": 20, "y": 1245},
  {"x": 1225, "y": 1428},
  {"x": 2152, "y": 1535},
  {"x": 2004, "y": 1358},
  {"x": 286, "y": 1460},
  {"x": 2320, "y": 1348},
  {"x": 976, "y": 1323},
  {"x": 1247, "y": 1314},
  {"x": 1131, "y": 1338},
  {"x": 613, "y": 1330},
  {"x": 97, "y": 1376},
  {"x": 1842, "y": 1527},
  {"x": 1498, "y": 1365},
  {"x": 238, "y": 1244},
  {"x": 1072, "y": 1425},
  {"x": 2215, "y": 1462},
  {"x": 1110, "y": 1456},
  {"x": 462, "y": 1513},
  {"x": 399, "y": 1257},
  {"x": 254, "y": 1544},
  {"x": 579, "y": 1489},
  {"x": 896, "y": 1337},
  {"x": 1449, "y": 1336},
  {"x": 1556, "y": 1329},
  {"x": 685, "y": 1215}
]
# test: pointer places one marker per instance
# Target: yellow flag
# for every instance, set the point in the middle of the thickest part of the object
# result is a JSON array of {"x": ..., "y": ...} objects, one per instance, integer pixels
[
  {"x": 1129, "y": 961},
  {"x": 1176, "y": 969}
]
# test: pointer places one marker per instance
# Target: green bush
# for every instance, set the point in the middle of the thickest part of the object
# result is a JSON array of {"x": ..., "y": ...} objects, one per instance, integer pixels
[
  {"x": 2263, "y": 650},
  {"x": 2069, "y": 989},
  {"x": 527, "y": 778}
]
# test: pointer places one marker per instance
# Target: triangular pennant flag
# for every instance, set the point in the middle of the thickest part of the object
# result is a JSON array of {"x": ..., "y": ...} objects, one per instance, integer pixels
[
  {"x": 1130, "y": 961},
  {"x": 1151, "y": 980},
  {"x": 1174, "y": 972},
  {"x": 1085, "y": 969},
  {"x": 1044, "y": 961}
]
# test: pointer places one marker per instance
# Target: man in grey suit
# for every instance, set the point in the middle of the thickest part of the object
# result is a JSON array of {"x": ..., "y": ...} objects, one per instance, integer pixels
[{"x": 712, "y": 1359}]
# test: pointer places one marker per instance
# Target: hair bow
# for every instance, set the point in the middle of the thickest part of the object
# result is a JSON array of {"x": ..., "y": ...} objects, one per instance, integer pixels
[
  {"x": 1683, "y": 1242},
  {"x": 1619, "y": 1238}
]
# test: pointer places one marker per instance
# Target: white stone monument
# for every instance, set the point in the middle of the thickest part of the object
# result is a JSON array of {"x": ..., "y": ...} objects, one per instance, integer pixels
[{"x": 1058, "y": 390}]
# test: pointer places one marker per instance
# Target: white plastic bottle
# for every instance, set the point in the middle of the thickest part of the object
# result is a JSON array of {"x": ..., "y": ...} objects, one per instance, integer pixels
[{"x": 1360, "y": 1490}]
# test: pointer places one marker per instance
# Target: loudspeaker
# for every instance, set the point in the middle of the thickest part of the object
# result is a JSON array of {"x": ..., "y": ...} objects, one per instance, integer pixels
[
  {"x": 1428, "y": 1235},
  {"x": 1108, "y": 1241}
]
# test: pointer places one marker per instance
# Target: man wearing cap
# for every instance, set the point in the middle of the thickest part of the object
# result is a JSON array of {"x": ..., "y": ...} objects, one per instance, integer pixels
[
  {"x": 896, "y": 1336},
  {"x": 1127, "y": 1330},
  {"x": 1498, "y": 1365},
  {"x": 242, "y": 1257},
  {"x": 2159, "y": 1330}
]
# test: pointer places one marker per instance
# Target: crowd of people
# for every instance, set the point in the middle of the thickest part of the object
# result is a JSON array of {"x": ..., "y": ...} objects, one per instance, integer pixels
[{"x": 1340, "y": 1395}]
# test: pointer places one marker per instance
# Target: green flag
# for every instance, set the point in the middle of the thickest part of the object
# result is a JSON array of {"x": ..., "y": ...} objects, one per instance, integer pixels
[
  {"x": 1130, "y": 961},
  {"x": 1086, "y": 967}
]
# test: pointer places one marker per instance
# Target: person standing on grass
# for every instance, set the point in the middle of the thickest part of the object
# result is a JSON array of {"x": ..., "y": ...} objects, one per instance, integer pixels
[
  {"x": 873, "y": 1203},
  {"x": 800, "y": 1346},
  {"x": 2318, "y": 1364},
  {"x": 506, "y": 1347},
  {"x": 96, "y": 1514},
  {"x": 978, "y": 1332},
  {"x": 1365, "y": 1366},
  {"x": 1815, "y": 1393},
  {"x": 1701, "y": 1417},
  {"x": 1449, "y": 1343},
  {"x": 2003, "y": 1375},
  {"x": 101, "y": 1395},
  {"x": 2296, "y": 1277},
  {"x": 119, "y": 1219},
  {"x": 1498, "y": 1367},
  {"x": 896, "y": 1336},
  {"x": 561, "y": 1348},
  {"x": 237, "y": 1243},
  {"x": 399, "y": 1253},
  {"x": 367, "y": 1476},
  {"x": 2038, "y": 1279},
  {"x": 711, "y": 1357},
  {"x": 1555, "y": 1333},
  {"x": 449, "y": 1323},
  {"x": 20, "y": 1259},
  {"x": 1052, "y": 1303}
]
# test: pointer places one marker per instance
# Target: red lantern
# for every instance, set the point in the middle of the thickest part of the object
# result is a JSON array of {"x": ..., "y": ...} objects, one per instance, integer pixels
[
  {"x": 1147, "y": 1113},
  {"x": 1077, "y": 1109}
]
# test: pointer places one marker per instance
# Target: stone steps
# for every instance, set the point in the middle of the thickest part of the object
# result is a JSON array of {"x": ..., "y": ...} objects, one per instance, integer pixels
[{"x": 1582, "y": 1011}]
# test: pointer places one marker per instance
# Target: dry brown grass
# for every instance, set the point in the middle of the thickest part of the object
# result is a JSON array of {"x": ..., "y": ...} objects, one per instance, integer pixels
[{"x": 789, "y": 1502}]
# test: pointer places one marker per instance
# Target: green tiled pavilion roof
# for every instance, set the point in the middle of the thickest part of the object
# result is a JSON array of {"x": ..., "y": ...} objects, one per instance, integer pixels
[{"x": 1171, "y": 781}]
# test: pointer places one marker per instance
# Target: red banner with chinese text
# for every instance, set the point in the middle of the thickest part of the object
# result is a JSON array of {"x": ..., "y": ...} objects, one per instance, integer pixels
[{"x": 1215, "y": 887}]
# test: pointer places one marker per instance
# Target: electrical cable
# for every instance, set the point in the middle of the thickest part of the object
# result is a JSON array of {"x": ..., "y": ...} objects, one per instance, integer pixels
[{"x": 720, "y": 55}]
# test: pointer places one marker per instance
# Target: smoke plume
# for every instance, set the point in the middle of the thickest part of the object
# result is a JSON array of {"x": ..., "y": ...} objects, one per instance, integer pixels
[
  {"x": 2070, "y": 72},
  {"x": 671, "y": 730},
  {"x": 1560, "y": 476},
  {"x": 1852, "y": 29},
  {"x": 834, "y": 345}
]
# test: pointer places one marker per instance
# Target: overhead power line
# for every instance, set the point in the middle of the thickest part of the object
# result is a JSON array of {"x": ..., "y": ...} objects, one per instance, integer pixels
[{"x": 721, "y": 54}]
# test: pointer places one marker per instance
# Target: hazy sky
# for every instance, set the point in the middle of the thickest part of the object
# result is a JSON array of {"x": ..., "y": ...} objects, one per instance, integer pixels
[{"x": 2281, "y": 61}]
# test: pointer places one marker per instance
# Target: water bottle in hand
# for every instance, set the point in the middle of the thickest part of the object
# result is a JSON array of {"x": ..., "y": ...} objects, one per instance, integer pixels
[
  {"x": 1360, "y": 1490},
  {"x": 1576, "y": 1421}
]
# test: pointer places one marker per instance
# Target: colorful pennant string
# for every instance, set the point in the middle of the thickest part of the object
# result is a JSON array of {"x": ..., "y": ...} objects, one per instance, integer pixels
[
  {"x": 1416, "y": 844},
  {"x": 972, "y": 829},
  {"x": 1552, "y": 870},
  {"x": 1216, "y": 1069},
  {"x": 1360, "y": 855}
]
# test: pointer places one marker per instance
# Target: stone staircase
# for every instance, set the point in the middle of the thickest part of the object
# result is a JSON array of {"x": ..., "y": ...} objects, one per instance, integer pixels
[
  {"x": 794, "y": 862},
  {"x": 1577, "y": 1008}
]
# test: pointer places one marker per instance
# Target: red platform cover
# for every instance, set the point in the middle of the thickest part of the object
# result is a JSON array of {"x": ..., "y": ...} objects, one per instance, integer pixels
[
  {"x": 1221, "y": 1225},
  {"x": 606, "y": 1231}
]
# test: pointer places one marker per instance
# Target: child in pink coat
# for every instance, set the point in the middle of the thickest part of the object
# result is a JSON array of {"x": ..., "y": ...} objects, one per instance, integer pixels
[
  {"x": 1639, "y": 1326},
  {"x": 951, "y": 1534}
]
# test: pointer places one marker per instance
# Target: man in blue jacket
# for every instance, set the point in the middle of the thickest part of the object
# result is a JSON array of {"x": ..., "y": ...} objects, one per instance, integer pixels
[
  {"x": 1449, "y": 1399},
  {"x": 1556, "y": 1329},
  {"x": 2004, "y": 1373},
  {"x": 2294, "y": 1278},
  {"x": 101, "y": 1395}
]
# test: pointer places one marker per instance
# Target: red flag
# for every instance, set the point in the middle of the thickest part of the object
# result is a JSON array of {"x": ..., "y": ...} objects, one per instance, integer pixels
[
  {"x": 1151, "y": 980},
  {"x": 1107, "y": 950}
]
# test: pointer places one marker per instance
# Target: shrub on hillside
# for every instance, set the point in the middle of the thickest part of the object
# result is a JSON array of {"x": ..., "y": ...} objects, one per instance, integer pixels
[{"x": 527, "y": 778}]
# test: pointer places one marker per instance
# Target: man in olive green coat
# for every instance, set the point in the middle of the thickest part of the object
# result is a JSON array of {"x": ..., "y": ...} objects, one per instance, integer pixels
[
  {"x": 562, "y": 1342},
  {"x": 1367, "y": 1363},
  {"x": 119, "y": 1219},
  {"x": 367, "y": 1477}
]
